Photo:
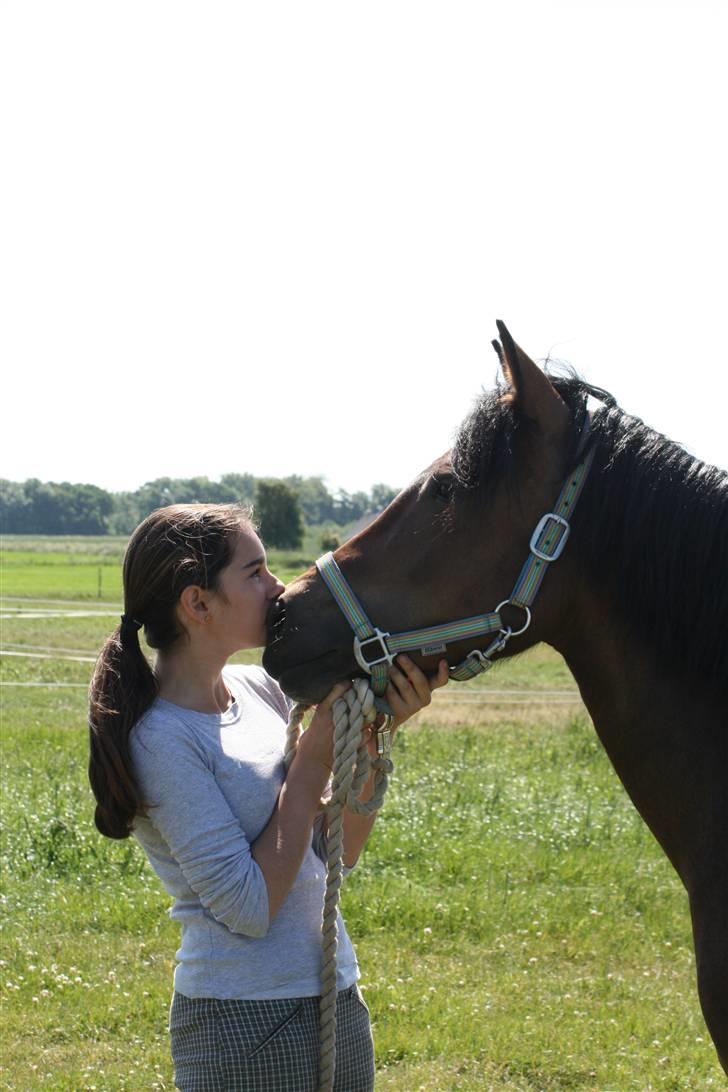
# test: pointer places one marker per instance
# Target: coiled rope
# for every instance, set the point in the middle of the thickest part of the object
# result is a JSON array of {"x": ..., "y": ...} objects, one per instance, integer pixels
[{"x": 352, "y": 767}]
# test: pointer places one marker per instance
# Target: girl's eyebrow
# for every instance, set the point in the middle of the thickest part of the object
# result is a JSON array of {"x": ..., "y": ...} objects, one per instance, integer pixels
[{"x": 255, "y": 561}]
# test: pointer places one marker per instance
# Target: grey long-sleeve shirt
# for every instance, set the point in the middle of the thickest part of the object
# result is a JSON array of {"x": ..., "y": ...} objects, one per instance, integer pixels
[{"x": 211, "y": 782}]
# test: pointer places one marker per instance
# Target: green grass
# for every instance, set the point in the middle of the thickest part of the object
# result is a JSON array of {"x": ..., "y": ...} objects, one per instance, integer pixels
[
  {"x": 517, "y": 927},
  {"x": 63, "y": 567}
]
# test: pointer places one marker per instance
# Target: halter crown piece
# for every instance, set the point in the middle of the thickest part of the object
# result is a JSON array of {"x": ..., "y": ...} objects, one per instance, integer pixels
[{"x": 375, "y": 649}]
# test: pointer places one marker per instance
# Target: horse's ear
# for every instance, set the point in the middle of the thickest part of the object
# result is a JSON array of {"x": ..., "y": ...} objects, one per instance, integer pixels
[{"x": 530, "y": 391}]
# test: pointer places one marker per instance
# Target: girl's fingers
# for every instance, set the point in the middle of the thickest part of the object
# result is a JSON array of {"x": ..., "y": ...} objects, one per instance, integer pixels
[
  {"x": 399, "y": 707},
  {"x": 409, "y": 689},
  {"x": 442, "y": 677},
  {"x": 416, "y": 677},
  {"x": 413, "y": 693},
  {"x": 400, "y": 684}
]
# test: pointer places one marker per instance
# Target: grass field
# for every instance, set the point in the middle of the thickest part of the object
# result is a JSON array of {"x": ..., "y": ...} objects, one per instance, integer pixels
[
  {"x": 90, "y": 568},
  {"x": 516, "y": 925}
]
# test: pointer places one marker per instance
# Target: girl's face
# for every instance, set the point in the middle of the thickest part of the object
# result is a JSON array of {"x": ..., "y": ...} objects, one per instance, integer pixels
[{"x": 245, "y": 589}]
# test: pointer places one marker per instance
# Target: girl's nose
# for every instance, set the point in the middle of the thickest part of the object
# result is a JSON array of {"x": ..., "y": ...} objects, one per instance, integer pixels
[{"x": 277, "y": 587}]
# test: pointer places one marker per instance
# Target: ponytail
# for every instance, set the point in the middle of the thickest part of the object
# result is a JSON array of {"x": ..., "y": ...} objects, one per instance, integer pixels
[{"x": 122, "y": 689}]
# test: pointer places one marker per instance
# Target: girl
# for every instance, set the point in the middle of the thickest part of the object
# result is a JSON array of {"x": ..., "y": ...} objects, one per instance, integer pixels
[{"x": 188, "y": 757}]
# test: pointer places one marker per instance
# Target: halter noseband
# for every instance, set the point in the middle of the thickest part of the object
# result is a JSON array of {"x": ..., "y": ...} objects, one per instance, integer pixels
[{"x": 546, "y": 545}]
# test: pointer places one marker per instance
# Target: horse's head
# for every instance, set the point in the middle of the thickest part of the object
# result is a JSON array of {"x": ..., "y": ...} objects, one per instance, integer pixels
[{"x": 449, "y": 546}]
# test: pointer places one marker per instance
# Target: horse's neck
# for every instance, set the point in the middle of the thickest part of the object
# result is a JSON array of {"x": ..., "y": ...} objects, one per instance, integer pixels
[{"x": 651, "y": 725}]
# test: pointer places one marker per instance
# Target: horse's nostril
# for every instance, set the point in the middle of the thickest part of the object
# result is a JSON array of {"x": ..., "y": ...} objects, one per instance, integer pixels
[{"x": 276, "y": 617}]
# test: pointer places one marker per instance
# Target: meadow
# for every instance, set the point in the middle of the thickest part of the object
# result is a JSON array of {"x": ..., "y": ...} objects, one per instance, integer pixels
[{"x": 516, "y": 925}]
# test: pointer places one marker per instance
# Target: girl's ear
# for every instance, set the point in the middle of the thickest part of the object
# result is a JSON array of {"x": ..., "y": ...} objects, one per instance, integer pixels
[
  {"x": 194, "y": 604},
  {"x": 529, "y": 389}
]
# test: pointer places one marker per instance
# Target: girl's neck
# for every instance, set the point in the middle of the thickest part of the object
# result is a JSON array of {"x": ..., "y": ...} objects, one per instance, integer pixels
[{"x": 192, "y": 682}]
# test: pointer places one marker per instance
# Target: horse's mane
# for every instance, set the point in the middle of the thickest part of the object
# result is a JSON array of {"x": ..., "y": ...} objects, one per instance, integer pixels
[{"x": 651, "y": 526}]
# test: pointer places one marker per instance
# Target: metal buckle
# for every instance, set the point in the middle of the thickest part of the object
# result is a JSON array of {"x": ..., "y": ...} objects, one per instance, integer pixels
[
  {"x": 559, "y": 545},
  {"x": 386, "y": 657}
]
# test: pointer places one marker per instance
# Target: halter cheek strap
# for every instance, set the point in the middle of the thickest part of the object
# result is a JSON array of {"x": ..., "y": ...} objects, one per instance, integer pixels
[{"x": 375, "y": 649}]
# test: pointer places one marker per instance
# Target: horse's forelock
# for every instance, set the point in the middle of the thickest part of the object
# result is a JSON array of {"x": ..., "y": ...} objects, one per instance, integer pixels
[
  {"x": 484, "y": 442},
  {"x": 486, "y": 445}
]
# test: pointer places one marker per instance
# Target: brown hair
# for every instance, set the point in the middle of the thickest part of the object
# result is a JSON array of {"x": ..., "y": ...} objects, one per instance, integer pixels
[{"x": 171, "y": 549}]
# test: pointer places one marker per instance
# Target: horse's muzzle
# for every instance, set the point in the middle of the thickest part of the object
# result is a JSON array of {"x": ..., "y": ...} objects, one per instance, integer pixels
[{"x": 305, "y": 672}]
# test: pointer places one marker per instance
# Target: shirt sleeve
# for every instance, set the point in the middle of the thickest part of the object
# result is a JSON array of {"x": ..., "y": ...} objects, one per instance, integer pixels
[{"x": 188, "y": 809}]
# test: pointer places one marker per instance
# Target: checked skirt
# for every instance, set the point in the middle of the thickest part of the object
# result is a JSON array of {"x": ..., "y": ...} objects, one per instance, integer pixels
[{"x": 267, "y": 1046}]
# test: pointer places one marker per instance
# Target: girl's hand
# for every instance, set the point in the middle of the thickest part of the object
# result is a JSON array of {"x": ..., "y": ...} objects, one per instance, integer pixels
[
  {"x": 317, "y": 742},
  {"x": 409, "y": 689}
]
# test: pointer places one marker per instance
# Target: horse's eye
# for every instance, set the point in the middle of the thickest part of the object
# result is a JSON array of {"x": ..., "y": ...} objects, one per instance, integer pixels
[{"x": 443, "y": 488}]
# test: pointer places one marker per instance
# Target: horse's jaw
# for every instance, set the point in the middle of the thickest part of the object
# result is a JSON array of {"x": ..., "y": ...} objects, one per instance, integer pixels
[{"x": 309, "y": 681}]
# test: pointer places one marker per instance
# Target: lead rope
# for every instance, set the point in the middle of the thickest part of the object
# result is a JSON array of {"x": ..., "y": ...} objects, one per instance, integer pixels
[{"x": 352, "y": 766}]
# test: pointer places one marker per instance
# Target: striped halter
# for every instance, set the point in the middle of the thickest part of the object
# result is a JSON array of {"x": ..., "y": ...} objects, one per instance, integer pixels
[{"x": 375, "y": 650}]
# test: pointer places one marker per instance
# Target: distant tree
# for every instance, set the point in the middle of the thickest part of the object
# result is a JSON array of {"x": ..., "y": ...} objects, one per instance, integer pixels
[
  {"x": 44, "y": 515},
  {"x": 198, "y": 490},
  {"x": 55, "y": 508},
  {"x": 240, "y": 487},
  {"x": 316, "y": 501},
  {"x": 382, "y": 495},
  {"x": 125, "y": 515},
  {"x": 278, "y": 512},
  {"x": 231, "y": 489},
  {"x": 350, "y": 506},
  {"x": 156, "y": 494},
  {"x": 329, "y": 540},
  {"x": 86, "y": 509},
  {"x": 130, "y": 508},
  {"x": 15, "y": 508}
]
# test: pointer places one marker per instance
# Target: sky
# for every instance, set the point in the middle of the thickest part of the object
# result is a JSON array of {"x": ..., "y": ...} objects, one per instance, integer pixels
[{"x": 275, "y": 238}]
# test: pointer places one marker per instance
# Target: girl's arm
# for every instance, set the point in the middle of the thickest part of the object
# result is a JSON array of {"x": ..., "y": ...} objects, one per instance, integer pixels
[{"x": 279, "y": 850}]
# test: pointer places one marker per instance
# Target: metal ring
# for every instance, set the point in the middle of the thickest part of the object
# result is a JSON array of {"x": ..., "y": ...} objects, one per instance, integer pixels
[{"x": 516, "y": 632}]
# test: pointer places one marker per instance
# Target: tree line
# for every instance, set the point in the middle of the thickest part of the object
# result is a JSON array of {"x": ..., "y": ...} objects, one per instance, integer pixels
[{"x": 282, "y": 505}]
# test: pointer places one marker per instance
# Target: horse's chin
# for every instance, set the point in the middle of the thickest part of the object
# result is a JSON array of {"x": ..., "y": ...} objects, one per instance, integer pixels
[{"x": 311, "y": 680}]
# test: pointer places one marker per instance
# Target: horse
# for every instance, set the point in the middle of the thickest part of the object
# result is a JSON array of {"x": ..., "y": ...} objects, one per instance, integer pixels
[{"x": 636, "y": 602}]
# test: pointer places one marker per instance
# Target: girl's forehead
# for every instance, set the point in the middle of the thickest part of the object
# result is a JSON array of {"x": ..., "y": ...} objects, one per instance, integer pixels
[{"x": 248, "y": 545}]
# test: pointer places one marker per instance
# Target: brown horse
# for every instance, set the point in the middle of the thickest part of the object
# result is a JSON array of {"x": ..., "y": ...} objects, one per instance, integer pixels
[{"x": 637, "y": 604}]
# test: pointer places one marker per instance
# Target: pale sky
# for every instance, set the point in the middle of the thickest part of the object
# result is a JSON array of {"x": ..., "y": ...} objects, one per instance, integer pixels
[{"x": 275, "y": 237}]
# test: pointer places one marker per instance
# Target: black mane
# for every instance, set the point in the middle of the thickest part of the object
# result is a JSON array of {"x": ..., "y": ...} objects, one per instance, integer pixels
[{"x": 651, "y": 526}]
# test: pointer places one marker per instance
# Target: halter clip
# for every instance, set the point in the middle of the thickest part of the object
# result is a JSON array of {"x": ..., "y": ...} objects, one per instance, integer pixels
[{"x": 386, "y": 658}]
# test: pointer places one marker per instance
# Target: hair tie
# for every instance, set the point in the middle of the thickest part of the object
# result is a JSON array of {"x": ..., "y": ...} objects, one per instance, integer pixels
[{"x": 129, "y": 623}]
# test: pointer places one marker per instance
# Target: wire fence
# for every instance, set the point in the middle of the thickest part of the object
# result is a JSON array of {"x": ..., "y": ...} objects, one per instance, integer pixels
[{"x": 481, "y": 697}]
